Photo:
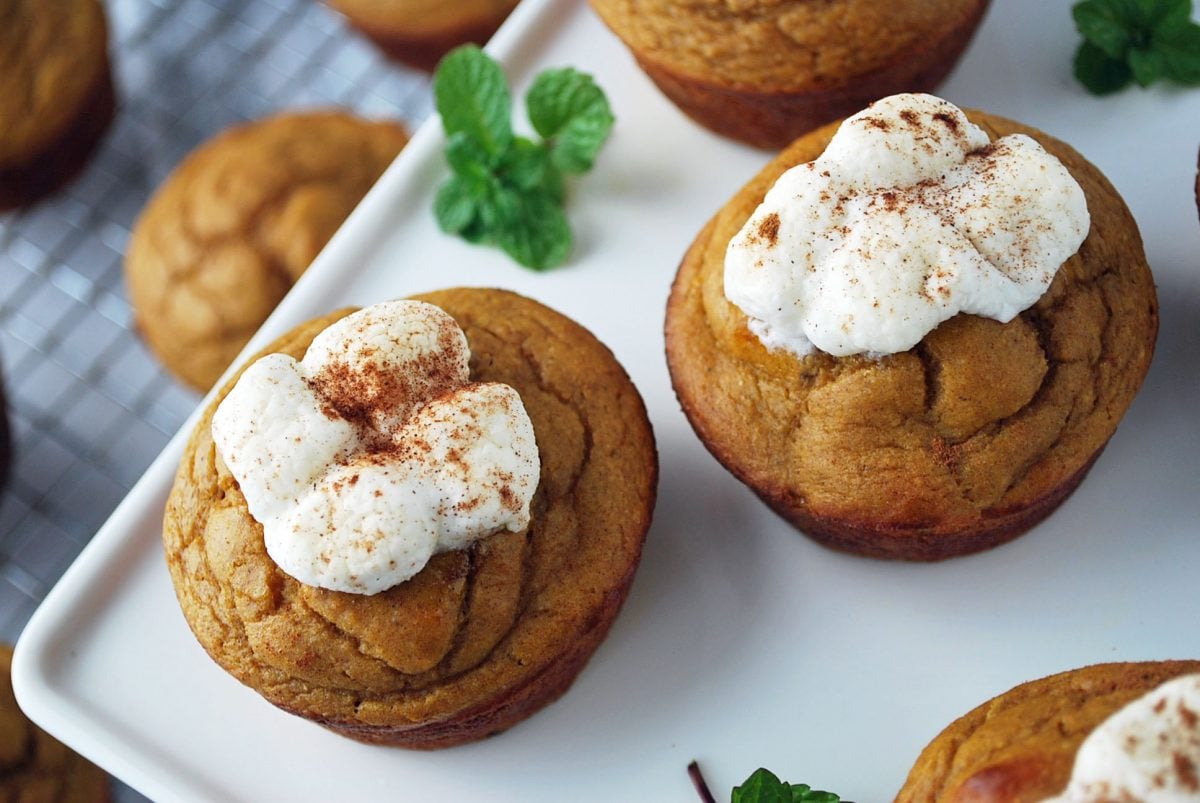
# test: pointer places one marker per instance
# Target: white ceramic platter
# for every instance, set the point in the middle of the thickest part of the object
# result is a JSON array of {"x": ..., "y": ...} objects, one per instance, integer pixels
[{"x": 742, "y": 643}]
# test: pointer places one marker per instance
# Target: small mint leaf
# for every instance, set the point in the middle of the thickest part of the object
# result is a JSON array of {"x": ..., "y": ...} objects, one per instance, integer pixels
[
  {"x": 466, "y": 156},
  {"x": 803, "y": 794},
  {"x": 1106, "y": 24},
  {"x": 525, "y": 164},
  {"x": 572, "y": 113},
  {"x": 763, "y": 786},
  {"x": 538, "y": 236},
  {"x": 1099, "y": 73},
  {"x": 1179, "y": 49},
  {"x": 456, "y": 205},
  {"x": 1146, "y": 65},
  {"x": 473, "y": 98},
  {"x": 1164, "y": 15}
]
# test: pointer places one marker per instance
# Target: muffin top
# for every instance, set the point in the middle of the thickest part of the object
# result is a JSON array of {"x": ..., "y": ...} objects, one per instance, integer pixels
[
  {"x": 780, "y": 44},
  {"x": 52, "y": 53},
  {"x": 907, "y": 444},
  {"x": 475, "y": 625},
  {"x": 423, "y": 17},
  {"x": 1020, "y": 747},
  {"x": 233, "y": 227}
]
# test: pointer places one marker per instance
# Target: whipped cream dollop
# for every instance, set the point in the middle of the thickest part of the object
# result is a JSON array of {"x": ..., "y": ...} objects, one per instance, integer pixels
[
  {"x": 909, "y": 217},
  {"x": 1148, "y": 752},
  {"x": 375, "y": 451}
]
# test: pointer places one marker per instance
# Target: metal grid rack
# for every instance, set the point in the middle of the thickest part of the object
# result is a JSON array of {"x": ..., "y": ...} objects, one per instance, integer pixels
[{"x": 88, "y": 405}]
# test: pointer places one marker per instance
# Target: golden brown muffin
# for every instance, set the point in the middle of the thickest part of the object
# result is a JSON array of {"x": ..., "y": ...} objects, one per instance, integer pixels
[
  {"x": 237, "y": 223},
  {"x": 766, "y": 71},
  {"x": 420, "y": 32},
  {"x": 1020, "y": 747},
  {"x": 479, "y": 639},
  {"x": 56, "y": 93},
  {"x": 957, "y": 445},
  {"x": 33, "y": 766}
]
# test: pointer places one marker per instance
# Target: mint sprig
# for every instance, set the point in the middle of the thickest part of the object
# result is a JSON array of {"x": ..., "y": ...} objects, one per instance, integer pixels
[
  {"x": 1142, "y": 41},
  {"x": 508, "y": 190},
  {"x": 763, "y": 786}
]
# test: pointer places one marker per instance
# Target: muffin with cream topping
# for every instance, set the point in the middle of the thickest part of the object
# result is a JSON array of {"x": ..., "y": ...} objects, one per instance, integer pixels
[
  {"x": 420, "y": 532},
  {"x": 766, "y": 71},
  {"x": 1110, "y": 732},
  {"x": 912, "y": 335}
]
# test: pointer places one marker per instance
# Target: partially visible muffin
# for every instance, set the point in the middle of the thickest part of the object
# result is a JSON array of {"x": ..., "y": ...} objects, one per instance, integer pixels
[
  {"x": 420, "y": 32},
  {"x": 954, "y": 445},
  {"x": 1020, "y": 747},
  {"x": 766, "y": 71},
  {"x": 482, "y": 636},
  {"x": 56, "y": 94},
  {"x": 237, "y": 223},
  {"x": 33, "y": 765}
]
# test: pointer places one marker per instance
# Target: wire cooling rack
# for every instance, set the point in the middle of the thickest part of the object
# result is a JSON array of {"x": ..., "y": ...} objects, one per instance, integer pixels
[{"x": 88, "y": 406}]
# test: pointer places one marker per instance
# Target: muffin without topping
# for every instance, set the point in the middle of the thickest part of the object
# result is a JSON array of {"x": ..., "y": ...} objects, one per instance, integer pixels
[
  {"x": 766, "y": 71},
  {"x": 236, "y": 224},
  {"x": 420, "y": 32},
  {"x": 954, "y": 446},
  {"x": 480, "y": 638},
  {"x": 56, "y": 94}
]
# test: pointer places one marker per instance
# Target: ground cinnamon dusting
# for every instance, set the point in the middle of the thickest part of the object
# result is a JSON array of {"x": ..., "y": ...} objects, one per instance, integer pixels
[{"x": 768, "y": 229}]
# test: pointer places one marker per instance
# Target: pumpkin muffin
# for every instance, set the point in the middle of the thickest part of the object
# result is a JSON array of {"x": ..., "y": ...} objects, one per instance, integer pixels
[
  {"x": 1020, "y": 747},
  {"x": 56, "y": 94},
  {"x": 420, "y": 32},
  {"x": 34, "y": 766},
  {"x": 237, "y": 223},
  {"x": 481, "y": 637},
  {"x": 952, "y": 446},
  {"x": 766, "y": 71}
]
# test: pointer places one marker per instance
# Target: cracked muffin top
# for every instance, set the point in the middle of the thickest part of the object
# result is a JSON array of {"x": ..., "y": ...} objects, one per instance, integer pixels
[
  {"x": 52, "y": 54},
  {"x": 780, "y": 44},
  {"x": 481, "y": 636},
  {"x": 953, "y": 446},
  {"x": 233, "y": 227},
  {"x": 1020, "y": 746}
]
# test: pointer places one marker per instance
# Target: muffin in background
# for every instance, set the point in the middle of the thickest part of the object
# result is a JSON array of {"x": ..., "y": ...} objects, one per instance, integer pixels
[
  {"x": 33, "y": 765},
  {"x": 420, "y": 32},
  {"x": 1021, "y": 746},
  {"x": 766, "y": 71},
  {"x": 236, "y": 224},
  {"x": 56, "y": 94}
]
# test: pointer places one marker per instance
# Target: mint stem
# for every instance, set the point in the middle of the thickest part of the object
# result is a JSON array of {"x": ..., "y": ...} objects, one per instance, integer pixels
[{"x": 698, "y": 781}]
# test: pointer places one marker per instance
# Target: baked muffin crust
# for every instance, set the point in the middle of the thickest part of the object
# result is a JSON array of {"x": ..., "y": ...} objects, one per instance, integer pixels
[
  {"x": 56, "y": 93},
  {"x": 420, "y": 32},
  {"x": 959, "y": 444},
  {"x": 767, "y": 71},
  {"x": 237, "y": 223},
  {"x": 1020, "y": 747},
  {"x": 480, "y": 638}
]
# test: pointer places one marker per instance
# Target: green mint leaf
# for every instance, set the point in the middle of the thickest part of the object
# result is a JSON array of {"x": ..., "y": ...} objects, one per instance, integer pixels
[
  {"x": 473, "y": 98},
  {"x": 536, "y": 233},
  {"x": 763, "y": 786},
  {"x": 803, "y": 794},
  {"x": 1179, "y": 49},
  {"x": 1106, "y": 24},
  {"x": 572, "y": 113},
  {"x": 525, "y": 164},
  {"x": 467, "y": 157},
  {"x": 1098, "y": 72},
  {"x": 1164, "y": 14},
  {"x": 1146, "y": 65},
  {"x": 456, "y": 206}
]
